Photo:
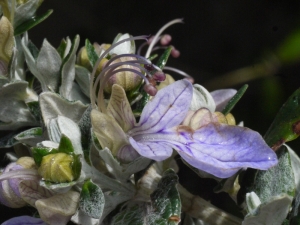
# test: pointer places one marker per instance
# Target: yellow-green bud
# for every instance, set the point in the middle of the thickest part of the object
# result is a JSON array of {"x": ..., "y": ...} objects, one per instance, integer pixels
[{"x": 57, "y": 168}]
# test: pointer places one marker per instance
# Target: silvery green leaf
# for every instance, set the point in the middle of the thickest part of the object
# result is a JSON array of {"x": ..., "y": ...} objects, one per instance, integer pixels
[
  {"x": 276, "y": 180},
  {"x": 59, "y": 208},
  {"x": 30, "y": 137},
  {"x": 16, "y": 71},
  {"x": 63, "y": 125},
  {"x": 57, "y": 187},
  {"x": 14, "y": 112},
  {"x": 273, "y": 211},
  {"x": 31, "y": 191},
  {"x": 77, "y": 94},
  {"x": 25, "y": 11},
  {"x": 106, "y": 182},
  {"x": 68, "y": 70},
  {"x": 82, "y": 77},
  {"x": 253, "y": 202},
  {"x": 165, "y": 205},
  {"x": 127, "y": 47},
  {"x": 46, "y": 66},
  {"x": 202, "y": 98},
  {"x": 91, "y": 200},
  {"x": 165, "y": 199},
  {"x": 85, "y": 130},
  {"x": 295, "y": 160},
  {"x": 48, "y": 144},
  {"x": 81, "y": 218},
  {"x": 53, "y": 105},
  {"x": 123, "y": 172},
  {"x": 112, "y": 200}
]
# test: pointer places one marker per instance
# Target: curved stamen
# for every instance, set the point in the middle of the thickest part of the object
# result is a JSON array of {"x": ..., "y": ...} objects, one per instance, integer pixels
[
  {"x": 92, "y": 95},
  {"x": 110, "y": 73},
  {"x": 157, "y": 35},
  {"x": 180, "y": 72},
  {"x": 146, "y": 61},
  {"x": 110, "y": 68}
]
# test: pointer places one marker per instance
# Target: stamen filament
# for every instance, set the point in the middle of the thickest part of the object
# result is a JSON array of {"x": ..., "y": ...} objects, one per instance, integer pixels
[
  {"x": 182, "y": 73},
  {"x": 114, "y": 66},
  {"x": 157, "y": 35},
  {"x": 110, "y": 73},
  {"x": 92, "y": 95},
  {"x": 146, "y": 61}
]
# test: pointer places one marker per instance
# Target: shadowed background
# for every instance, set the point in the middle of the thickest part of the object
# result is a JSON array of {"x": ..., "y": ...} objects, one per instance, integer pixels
[{"x": 217, "y": 38}]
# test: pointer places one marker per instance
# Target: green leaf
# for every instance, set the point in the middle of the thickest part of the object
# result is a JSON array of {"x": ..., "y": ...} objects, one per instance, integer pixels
[
  {"x": 61, "y": 48},
  {"x": 232, "y": 102},
  {"x": 91, "y": 199},
  {"x": 165, "y": 206},
  {"x": 30, "y": 137},
  {"x": 91, "y": 53},
  {"x": 286, "y": 125},
  {"x": 39, "y": 152},
  {"x": 276, "y": 180},
  {"x": 65, "y": 145},
  {"x": 34, "y": 108},
  {"x": 141, "y": 104},
  {"x": 67, "y": 70},
  {"x": 35, "y": 20},
  {"x": 85, "y": 130},
  {"x": 166, "y": 199},
  {"x": 132, "y": 216},
  {"x": 164, "y": 58}
]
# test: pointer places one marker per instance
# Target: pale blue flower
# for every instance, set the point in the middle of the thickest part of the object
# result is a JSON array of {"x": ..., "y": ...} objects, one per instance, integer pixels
[
  {"x": 24, "y": 220},
  {"x": 216, "y": 148}
]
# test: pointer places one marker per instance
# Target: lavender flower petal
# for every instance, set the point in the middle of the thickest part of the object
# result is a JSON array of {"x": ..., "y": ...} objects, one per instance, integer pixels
[
  {"x": 218, "y": 149},
  {"x": 167, "y": 109},
  {"x": 222, "y": 97},
  {"x": 222, "y": 150},
  {"x": 152, "y": 149},
  {"x": 24, "y": 220}
]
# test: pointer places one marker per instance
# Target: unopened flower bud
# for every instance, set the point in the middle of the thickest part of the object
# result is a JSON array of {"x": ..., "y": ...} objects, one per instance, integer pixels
[
  {"x": 126, "y": 79},
  {"x": 57, "y": 168},
  {"x": 83, "y": 59}
]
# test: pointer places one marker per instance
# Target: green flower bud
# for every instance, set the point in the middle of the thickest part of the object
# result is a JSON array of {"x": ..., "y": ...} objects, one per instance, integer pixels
[{"x": 57, "y": 168}]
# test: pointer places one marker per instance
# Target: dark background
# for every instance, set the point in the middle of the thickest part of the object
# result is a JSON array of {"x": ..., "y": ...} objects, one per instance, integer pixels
[{"x": 217, "y": 37}]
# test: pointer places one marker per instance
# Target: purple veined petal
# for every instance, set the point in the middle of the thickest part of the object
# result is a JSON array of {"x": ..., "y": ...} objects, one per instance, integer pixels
[
  {"x": 155, "y": 149},
  {"x": 222, "y": 97},
  {"x": 218, "y": 149},
  {"x": 24, "y": 220},
  {"x": 167, "y": 109},
  {"x": 127, "y": 154},
  {"x": 222, "y": 150}
]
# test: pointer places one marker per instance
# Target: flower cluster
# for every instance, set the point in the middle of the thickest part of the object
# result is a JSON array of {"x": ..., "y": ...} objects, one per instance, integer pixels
[{"x": 100, "y": 128}]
